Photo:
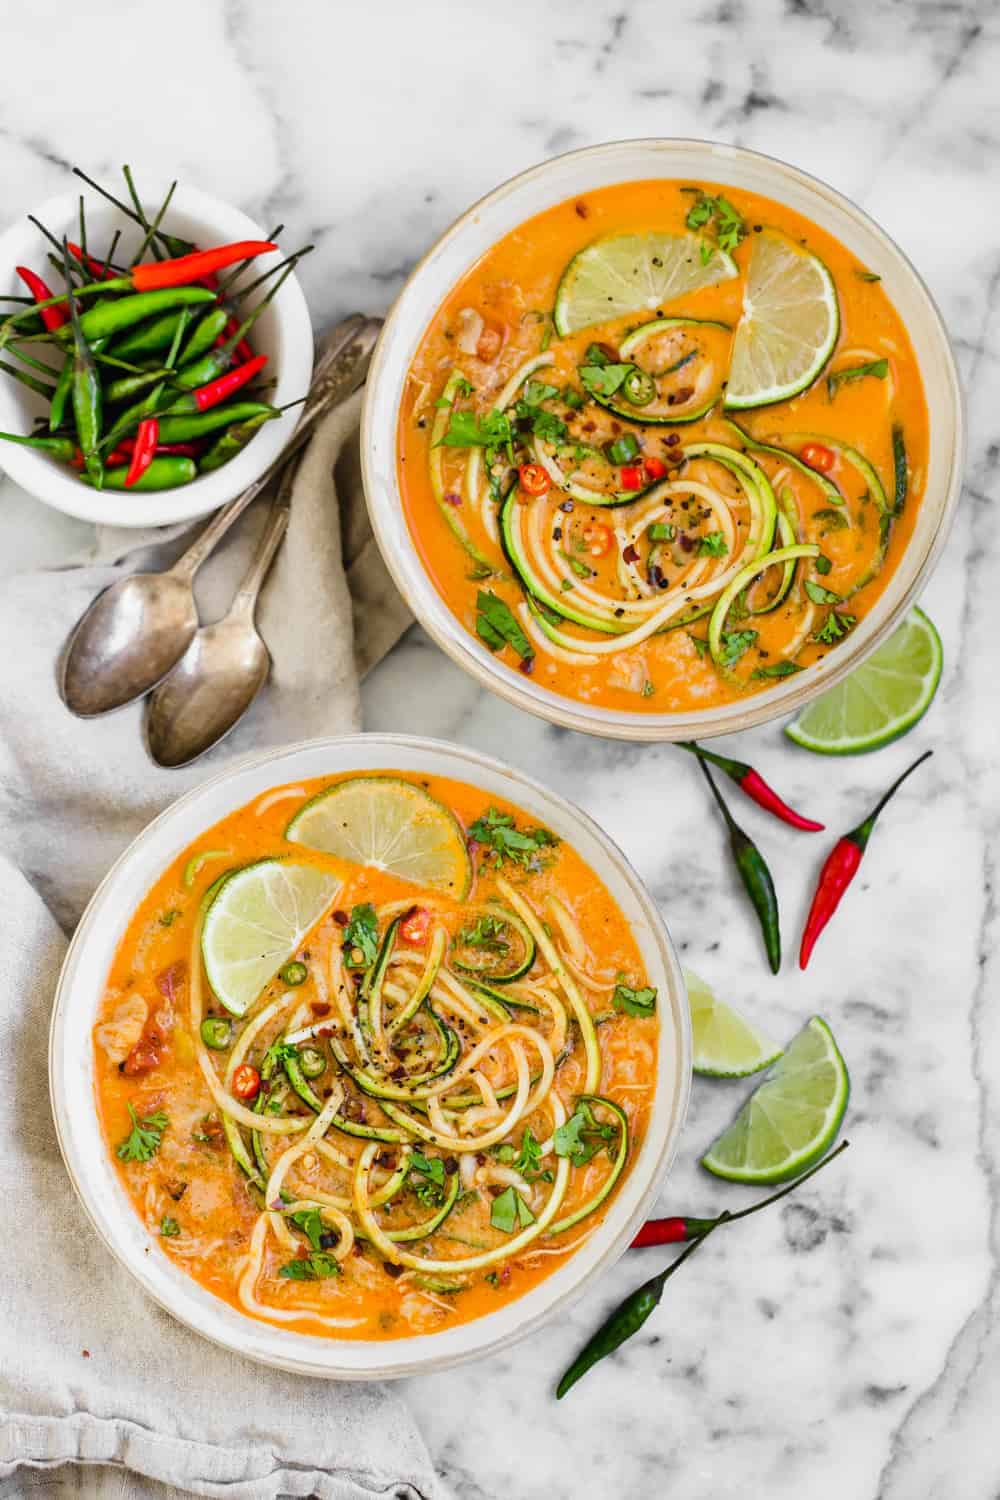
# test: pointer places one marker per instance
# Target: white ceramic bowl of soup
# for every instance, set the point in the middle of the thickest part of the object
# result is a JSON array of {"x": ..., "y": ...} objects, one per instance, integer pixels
[
  {"x": 72, "y": 1067},
  {"x": 283, "y": 332},
  {"x": 576, "y": 174}
]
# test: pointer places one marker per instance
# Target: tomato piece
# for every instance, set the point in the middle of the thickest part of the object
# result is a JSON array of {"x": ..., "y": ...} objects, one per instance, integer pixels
[
  {"x": 414, "y": 927},
  {"x": 597, "y": 539},
  {"x": 632, "y": 478},
  {"x": 533, "y": 479},
  {"x": 816, "y": 456},
  {"x": 246, "y": 1082},
  {"x": 655, "y": 467}
]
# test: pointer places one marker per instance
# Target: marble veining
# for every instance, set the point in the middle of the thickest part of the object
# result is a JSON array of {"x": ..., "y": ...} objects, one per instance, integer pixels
[{"x": 849, "y": 1343}]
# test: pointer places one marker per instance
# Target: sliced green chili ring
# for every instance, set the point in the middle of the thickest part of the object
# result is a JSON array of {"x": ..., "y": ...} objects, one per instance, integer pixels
[
  {"x": 500, "y": 972},
  {"x": 216, "y": 1032},
  {"x": 638, "y": 387},
  {"x": 617, "y": 1167},
  {"x": 293, "y": 974},
  {"x": 312, "y": 1062}
]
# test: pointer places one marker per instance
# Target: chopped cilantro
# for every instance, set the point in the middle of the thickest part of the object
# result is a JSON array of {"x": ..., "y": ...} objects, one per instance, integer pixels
[
  {"x": 316, "y": 1267},
  {"x": 510, "y": 1212},
  {"x": 819, "y": 595},
  {"x": 718, "y": 211},
  {"x": 634, "y": 1002},
  {"x": 497, "y": 626},
  {"x": 169, "y": 1228},
  {"x": 735, "y": 643},
  {"x": 497, "y": 831},
  {"x": 361, "y": 937},
  {"x": 712, "y": 544},
  {"x": 834, "y": 628},
  {"x": 583, "y": 1136},
  {"x": 776, "y": 669},
  {"x": 426, "y": 1178},
  {"x": 143, "y": 1140},
  {"x": 879, "y": 368}
]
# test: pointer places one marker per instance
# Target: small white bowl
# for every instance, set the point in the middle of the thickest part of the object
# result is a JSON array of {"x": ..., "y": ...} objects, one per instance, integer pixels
[
  {"x": 570, "y": 176},
  {"x": 283, "y": 333},
  {"x": 72, "y": 1080}
]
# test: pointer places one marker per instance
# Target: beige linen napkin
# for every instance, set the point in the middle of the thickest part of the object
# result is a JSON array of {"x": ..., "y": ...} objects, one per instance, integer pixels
[{"x": 91, "y": 1372}]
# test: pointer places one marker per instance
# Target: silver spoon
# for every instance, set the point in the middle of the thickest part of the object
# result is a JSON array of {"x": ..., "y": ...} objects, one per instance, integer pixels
[
  {"x": 137, "y": 629},
  {"x": 224, "y": 667}
]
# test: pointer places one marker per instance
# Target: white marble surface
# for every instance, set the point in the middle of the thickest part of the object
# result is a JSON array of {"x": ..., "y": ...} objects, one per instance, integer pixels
[{"x": 848, "y": 1345}]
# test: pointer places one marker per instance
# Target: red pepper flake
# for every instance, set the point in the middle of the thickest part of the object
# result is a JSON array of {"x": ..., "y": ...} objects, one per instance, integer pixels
[
  {"x": 451, "y": 498},
  {"x": 582, "y": 210},
  {"x": 630, "y": 553}
]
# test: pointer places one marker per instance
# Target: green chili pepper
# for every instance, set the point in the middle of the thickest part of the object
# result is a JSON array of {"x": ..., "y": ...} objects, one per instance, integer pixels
[
  {"x": 59, "y": 447},
  {"x": 293, "y": 973},
  {"x": 628, "y": 1317},
  {"x": 232, "y": 441},
  {"x": 203, "y": 335},
  {"x": 164, "y": 473},
  {"x": 85, "y": 391},
  {"x": 211, "y": 365},
  {"x": 132, "y": 385},
  {"x": 149, "y": 337},
  {"x": 312, "y": 1062},
  {"x": 755, "y": 875},
  {"x": 192, "y": 425},
  {"x": 60, "y": 395},
  {"x": 154, "y": 400},
  {"x": 215, "y": 1032},
  {"x": 124, "y": 312}
]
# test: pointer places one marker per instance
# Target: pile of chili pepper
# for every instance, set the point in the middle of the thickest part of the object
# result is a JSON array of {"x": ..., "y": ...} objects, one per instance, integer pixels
[
  {"x": 148, "y": 370},
  {"x": 836, "y": 875}
]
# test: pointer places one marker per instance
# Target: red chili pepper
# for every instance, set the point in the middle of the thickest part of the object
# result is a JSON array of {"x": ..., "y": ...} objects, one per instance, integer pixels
[
  {"x": 675, "y": 1230},
  {"x": 756, "y": 788},
  {"x": 222, "y": 388},
  {"x": 841, "y": 866},
  {"x": 533, "y": 479},
  {"x": 98, "y": 268},
  {"x": 117, "y": 457},
  {"x": 52, "y": 317},
  {"x": 414, "y": 927},
  {"x": 655, "y": 467},
  {"x": 631, "y": 478},
  {"x": 185, "y": 269},
  {"x": 816, "y": 456},
  {"x": 143, "y": 450},
  {"x": 246, "y": 1082},
  {"x": 184, "y": 450}
]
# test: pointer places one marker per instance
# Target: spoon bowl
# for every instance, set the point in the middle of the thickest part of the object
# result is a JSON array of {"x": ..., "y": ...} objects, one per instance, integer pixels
[
  {"x": 208, "y": 692},
  {"x": 127, "y": 641}
]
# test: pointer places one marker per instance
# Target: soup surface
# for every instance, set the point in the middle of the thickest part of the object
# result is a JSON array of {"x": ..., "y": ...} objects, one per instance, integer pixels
[
  {"x": 663, "y": 445},
  {"x": 370, "y": 1106}
]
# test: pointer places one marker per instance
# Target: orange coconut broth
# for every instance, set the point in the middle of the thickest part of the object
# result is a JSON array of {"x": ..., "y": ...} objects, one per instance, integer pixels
[
  {"x": 512, "y": 290},
  {"x": 198, "y": 1204}
]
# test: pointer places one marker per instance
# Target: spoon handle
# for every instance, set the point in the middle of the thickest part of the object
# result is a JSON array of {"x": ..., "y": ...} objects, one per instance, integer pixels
[
  {"x": 340, "y": 371},
  {"x": 277, "y": 524}
]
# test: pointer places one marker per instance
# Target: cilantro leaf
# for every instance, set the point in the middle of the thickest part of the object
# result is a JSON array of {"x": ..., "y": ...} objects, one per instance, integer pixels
[
  {"x": 699, "y": 643},
  {"x": 486, "y": 932},
  {"x": 143, "y": 1140},
  {"x": 361, "y": 937},
  {"x": 834, "y": 627},
  {"x": 497, "y": 626},
  {"x": 819, "y": 595},
  {"x": 529, "y": 1162},
  {"x": 776, "y": 669},
  {"x": 466, "y": 429},
  {"x": 603, "y": 379},
  {"x": 634, "y": 1002},
  {"x": 310, "y": 1221},
  {"x": 728, "y": 222},
  {"x": 497, "y": 831},
  {"x": 712, "y": 544},
  {"x": 735, "y": 643},
  {"x": 426, "y": 1178},
  {"x": 510, "y": 1212},
  {"x": 879, "y": 368},
  {"x": 583, "y": 1136},
  {"x": 316, "y": 1267}
]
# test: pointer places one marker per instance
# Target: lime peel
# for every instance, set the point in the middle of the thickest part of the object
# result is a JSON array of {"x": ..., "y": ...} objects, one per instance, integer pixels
[{"x": 725, "y": 1044}]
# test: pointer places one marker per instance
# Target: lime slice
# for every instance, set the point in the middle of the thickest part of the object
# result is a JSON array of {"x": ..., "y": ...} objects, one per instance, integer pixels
[
  {"x": 391, "y": 825},
  {"x": 725, "y": 1045},
  {"x": 257, "y": 920},
  {"x": 789, "y": 325},
  {"x": 635, "y": 273},
  {"x": 790, "y": 1119},
  {"x": 878, "y": 701}
]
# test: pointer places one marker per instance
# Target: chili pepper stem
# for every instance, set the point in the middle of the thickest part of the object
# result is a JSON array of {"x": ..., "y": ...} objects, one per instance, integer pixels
[
  {"x": 863, "y": 832},
  {"x": 734, "y": 768}
]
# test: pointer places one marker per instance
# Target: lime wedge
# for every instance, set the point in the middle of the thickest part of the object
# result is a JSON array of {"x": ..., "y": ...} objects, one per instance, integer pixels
[
  {"x": 791, "y": 1118},
  {"x": 878, "y": 701},
  {"x": 257, "y": 920},
  {"x": 635, "y": 273},
  {"x": 725, "y": 1045},
  {"x": 789, "y": 325},
  {"x": 392, "y": 825}
]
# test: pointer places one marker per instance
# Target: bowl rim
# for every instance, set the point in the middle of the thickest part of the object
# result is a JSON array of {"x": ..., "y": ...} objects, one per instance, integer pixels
[
  {"x": 655, "y": 1158},
  {"x": 46, "y": 482},
  {"x": 784, "y": 698}
]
